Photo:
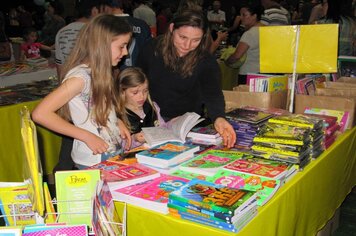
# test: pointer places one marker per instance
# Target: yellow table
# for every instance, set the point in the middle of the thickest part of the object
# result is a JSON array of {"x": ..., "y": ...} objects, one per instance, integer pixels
[
  {"x": 301, "y": 207},
  {"x": 11, "y": 155}
]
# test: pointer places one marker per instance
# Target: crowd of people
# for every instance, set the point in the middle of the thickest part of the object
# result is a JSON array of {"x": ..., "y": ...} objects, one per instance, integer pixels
[{"x": 123, "y": 67}]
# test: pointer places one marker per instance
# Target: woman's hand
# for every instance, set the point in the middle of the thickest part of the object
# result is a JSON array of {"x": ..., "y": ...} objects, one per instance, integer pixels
[
  {"x": 124, "y": 133},
  {"x": 139, "y": 137},
  {"x": 226, "y": 131}
]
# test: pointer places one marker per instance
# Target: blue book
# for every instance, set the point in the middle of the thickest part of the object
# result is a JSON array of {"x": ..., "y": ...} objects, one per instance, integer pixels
[{"x": 167, "y": 154}]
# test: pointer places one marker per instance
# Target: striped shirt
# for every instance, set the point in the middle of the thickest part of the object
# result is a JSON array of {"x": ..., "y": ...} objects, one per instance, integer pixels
[{"x": 275, "y": 16}]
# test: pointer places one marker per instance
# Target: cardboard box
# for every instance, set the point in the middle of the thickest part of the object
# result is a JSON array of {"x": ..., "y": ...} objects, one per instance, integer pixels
[
  {"x": 236, "y": 99},
  {"x": 347, "y": 80},
  {"x": 327, "y": 102}
]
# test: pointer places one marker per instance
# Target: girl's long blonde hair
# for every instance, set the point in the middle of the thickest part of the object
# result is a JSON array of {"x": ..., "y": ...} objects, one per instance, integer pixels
[{"x": 93, "y": 48}]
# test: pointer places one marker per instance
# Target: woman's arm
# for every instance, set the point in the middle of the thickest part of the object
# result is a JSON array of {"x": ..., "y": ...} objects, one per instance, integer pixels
[
  {"x": 241, "y": 49},
  {"x": 45, "y": 114}
]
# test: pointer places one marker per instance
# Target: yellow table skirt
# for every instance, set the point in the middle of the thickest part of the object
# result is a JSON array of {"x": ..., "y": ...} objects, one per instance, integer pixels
[
  {"x": 11, "y": 150},
  {"x": 301, "y": 207}
]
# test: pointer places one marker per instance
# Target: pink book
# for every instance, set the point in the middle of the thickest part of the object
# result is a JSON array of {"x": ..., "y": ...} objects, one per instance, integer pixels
[
  {"x": 259, "y": 168},
  {"x": 153, "y": 194},
  {"x": 78, "y": 230}
]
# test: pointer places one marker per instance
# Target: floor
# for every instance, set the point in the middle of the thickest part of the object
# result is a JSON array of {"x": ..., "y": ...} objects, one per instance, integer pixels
[{"x": 347, "y": 225}]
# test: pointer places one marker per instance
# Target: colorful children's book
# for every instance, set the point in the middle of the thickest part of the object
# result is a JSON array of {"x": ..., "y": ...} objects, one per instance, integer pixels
[
  {"x": 214, "y": 197},
  {"x": 259, "y": 167},
  {"x": 176, "y": 131},
  {"x": 15, "y": 204},
  {"x": 153, "y": 194},
  {"x": 343, "y": 117},
  {"x": 265, "y": 187},
  {"x": 209, "y": 162},
  {"x": 188, "y": 175},
  {"x": 298, "y": 120},
  {"x": 74, "y": 190},
  {"x": 167, "y": 154},
  {"x": 120, "y": 175}
]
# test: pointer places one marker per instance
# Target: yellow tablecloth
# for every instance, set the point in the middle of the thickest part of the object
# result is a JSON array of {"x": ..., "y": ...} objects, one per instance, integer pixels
[
  {"x": 11, "y": 151},
  {"x": 301, "y": 207},
  {"x": 228, "y": 76}
]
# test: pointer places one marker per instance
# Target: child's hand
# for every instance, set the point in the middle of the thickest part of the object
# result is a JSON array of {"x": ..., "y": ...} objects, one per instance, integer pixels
[
  {"x": 95, "y": 143},
  {"x": 139, "y": 137},
  {"x": 124, "y": 133}
]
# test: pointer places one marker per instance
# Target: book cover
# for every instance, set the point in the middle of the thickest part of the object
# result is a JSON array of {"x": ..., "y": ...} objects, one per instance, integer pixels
[
  {"x": 188, "y": 175},
  {"x": 342, "y": 116},
  {"x": 176, "y": 130},
  {"x": 277, "y": 83},
  {"x": 15, "y": 205},
  {"x": 153, "y": 194},
  {"x": 78, "y": 230},
  {"x": 249, "y": 116},
  {"x": 259, "y": 167},
  {"x": 209, "y": 162},
  {"x": 298, "y": 120},
  {"x": 214, "y": 196},
  {"x": 74, "y": 191},
  {"x": 167, "y": 154},
  {"x": 120, "y": 175},
  {"x": 11, "y": 231},
  {"x": 51, "y": 214},
  {"x": 207, "y": 132},
  {"x": 265, "y": 187}
]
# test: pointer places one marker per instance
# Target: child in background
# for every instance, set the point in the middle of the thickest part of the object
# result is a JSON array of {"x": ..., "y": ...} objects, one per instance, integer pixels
[
  {"x": 31, "y": 48},
  {"x": 87, "y": 96},
  {"x": 136, "y": 106}
]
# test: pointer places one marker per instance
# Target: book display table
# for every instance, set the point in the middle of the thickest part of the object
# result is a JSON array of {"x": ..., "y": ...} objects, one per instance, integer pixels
[
  {"x": 301, "y": 207},
  {"x": 11, "y": 156},
  {"x": 42, "y": 74}
]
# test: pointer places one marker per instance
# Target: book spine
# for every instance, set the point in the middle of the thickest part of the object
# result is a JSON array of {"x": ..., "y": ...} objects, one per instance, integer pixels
[
  {"x": 291, "y": 123},
  {"x": 177, "y": 209},
  {"x": 275, "y": 150},
  {"x": 278, "y": 140}
]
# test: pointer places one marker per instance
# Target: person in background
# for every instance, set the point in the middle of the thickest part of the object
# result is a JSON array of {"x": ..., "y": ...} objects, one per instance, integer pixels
[
  {"x": 53, "y": 22},
  {"x": 340, "y": 12},
  {"x": 249, "y": 42},
  {"x": 67, "y": 36},
  {"x": 183, "y": 75},
  {"x": 141, "y": 31},
  {"x": 163, "y": 18},
  {"x": 65, "y": 41},
  {"x": 30, "y": 48},
  {"x": 144, "y": 12},
  {"x": 136, "y": 106},
  {"x": 216, "y": 17},
  {"x": 317, "y": 12},
  {"x": 274, "y": 13},
  {"x": 87, "y": 96}
]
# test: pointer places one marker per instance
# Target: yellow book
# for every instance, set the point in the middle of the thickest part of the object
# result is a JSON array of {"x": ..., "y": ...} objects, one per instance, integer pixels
[
  {"x": 51, "y": 214},
  {"x": 277, "y": 83},
  {"x": 315, "y": 50}
]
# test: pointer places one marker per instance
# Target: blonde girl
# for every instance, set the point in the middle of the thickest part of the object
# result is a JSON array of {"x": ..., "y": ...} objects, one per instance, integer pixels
[{"x": 84, "y": 105}]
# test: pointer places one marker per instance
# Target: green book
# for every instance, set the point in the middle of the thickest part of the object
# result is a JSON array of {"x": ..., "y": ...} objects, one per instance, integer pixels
[
  {"x": 74, "y": 190},
  {"x": 265, "y": 187}
]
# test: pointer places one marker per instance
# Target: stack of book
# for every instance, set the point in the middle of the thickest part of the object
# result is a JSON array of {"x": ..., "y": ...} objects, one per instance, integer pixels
[
  {"x": 205, "y": 135},
  {"x": 152, "y": 194},
  {"x": 290, "y": 138},
  {"x": 167, "y": 156},
  {"x": 246, "y": 123},
  {"x": 213, "y": 205}
]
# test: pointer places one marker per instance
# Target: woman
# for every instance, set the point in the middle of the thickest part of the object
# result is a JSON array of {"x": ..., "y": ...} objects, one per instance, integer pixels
[
  {"x": 183, "y": 75},
  {"x": 249, "y": 42}
]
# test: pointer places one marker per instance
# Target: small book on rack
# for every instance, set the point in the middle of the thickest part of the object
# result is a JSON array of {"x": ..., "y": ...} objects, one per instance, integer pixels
[
  {"x": 167, "y": 154},
  {"x": 119, "y": 175},
  {"x": 209, "y": 162},
  {"x": 176, "y": 131},
  {"x": 152, "y": 194},
  {"x": 74, "y": 191}
]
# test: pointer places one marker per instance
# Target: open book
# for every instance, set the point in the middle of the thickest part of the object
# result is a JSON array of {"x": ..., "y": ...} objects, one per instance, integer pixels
[{"x": 176, "y": 131}]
